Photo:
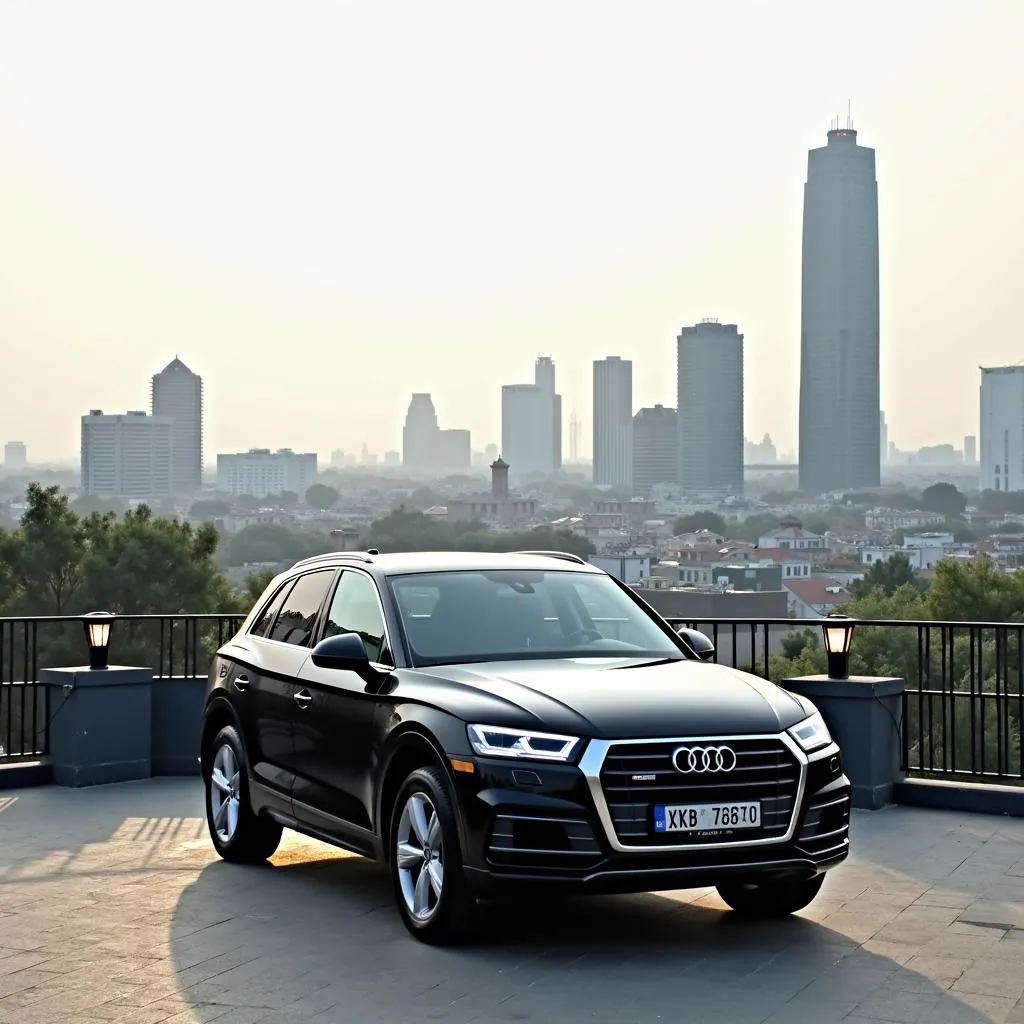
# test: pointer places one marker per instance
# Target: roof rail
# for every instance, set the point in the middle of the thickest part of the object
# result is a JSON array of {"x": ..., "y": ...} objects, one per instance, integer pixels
[
  {"x": 564, "y": 555},
  {"x": 355, "y": 556}
]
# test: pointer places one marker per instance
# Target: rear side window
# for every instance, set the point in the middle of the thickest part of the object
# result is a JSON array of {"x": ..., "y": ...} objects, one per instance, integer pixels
[
  {"x": 261, "y": 627},
  {"x": 298, "y": 614}
]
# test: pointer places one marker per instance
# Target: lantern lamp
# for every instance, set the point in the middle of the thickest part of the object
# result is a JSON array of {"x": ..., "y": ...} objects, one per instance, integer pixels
[
  {"x": 97, "y": 635},
  {"x": 838, "y": 632}
]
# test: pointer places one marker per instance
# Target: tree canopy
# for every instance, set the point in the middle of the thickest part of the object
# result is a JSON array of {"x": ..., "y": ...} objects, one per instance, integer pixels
[
  {"x": 945, "y": 499},
  {"x": 322, "y": 497},
  {"x": 58, "y": 562},
  {"x": 411, "y": 530},
  {"x": 702, "y": 521}
]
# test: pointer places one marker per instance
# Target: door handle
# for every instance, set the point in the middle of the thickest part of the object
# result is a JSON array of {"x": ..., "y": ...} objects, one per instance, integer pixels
[
  {"x": 303, "y": 698},
  {"x": 241, "y": 683}
]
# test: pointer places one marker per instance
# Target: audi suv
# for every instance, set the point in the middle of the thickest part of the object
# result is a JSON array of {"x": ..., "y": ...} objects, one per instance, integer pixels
[{"x": 481, "y": 723}]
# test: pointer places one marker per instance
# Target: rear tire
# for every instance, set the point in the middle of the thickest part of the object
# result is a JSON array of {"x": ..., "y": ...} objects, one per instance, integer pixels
[
  {"x": 771, "y": 899},
  {"x": 425, "y": 860},
  {"x": 238, "y": 834}
]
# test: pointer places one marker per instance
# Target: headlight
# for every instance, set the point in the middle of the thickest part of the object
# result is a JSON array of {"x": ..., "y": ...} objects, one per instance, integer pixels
[
  {"x": 496, "y": 741},
  {"x": 811, "y": 733}
]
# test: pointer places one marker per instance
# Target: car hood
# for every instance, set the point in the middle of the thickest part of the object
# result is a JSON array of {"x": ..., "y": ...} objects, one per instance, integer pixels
[{"x": 610, "y": 698}]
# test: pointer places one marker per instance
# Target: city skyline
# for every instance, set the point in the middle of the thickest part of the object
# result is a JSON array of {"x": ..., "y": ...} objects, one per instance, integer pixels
[{"x": 120, "y": 250}]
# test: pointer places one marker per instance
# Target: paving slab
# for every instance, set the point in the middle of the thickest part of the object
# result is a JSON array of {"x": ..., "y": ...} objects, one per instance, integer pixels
[{"x": 114, "y": 908}]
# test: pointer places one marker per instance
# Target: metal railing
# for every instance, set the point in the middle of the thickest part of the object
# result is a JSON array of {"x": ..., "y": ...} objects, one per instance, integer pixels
[
  {"x": 963, "y": 707},
  {"x": 172, "y": 645},
  {"x": 963, "y": 703}
]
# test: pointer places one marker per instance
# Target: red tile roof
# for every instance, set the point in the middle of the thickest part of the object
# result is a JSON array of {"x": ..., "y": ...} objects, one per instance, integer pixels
[{"x": 815, "y": 591}]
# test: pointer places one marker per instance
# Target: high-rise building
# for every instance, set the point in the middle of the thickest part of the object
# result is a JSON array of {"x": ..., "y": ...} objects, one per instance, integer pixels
[
  {"x": 15, "y": 455},
  {"x": 970, "y": 449},
  {"x": 127, "y": 456},
  {"x": 526, "y": 430},
  {"x": 454, "y": 451},
  {"x": 177, "y": 393},
  {"x": 883, "y": 439},
  {"x": 420, "y": 435},
  {"x": 655, "y": 447},
  {"x": 709, "y": 382},
  {"x": 839, "y": 392},
  {"x": 613, "y": 421},
  {"x": 1001, "y": 461},
  {"x": 544, "y": 378},
  {"x": 261, "y": 472}
]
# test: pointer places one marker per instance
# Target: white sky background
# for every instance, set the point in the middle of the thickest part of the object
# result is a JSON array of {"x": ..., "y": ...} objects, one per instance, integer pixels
[{"x": 322, "y": 207}]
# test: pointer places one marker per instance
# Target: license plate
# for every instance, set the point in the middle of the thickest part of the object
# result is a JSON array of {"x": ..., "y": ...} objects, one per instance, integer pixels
[{"x": 706, "y": 817}]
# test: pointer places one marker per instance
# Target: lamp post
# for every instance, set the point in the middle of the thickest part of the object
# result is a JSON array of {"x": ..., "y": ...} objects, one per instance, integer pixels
[
  {"x": 97, "y": 635},
  {"x": 838, "y": 632}
]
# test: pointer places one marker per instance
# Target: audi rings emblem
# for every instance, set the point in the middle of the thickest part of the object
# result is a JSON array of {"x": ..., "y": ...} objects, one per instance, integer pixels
[{"x": 696, "y": 760}]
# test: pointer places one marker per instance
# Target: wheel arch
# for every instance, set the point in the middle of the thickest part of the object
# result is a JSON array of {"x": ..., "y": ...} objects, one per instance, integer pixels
[
  {"x": 218, "y": 714},
  {"x": 414, "y": 747}
]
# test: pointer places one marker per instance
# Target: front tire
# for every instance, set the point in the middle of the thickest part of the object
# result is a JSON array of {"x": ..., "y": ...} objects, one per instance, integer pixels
[
  {"x": 770, "y": 899},
  {"x": 238, "y": 834},
  {"x": 431, "y": 891}
]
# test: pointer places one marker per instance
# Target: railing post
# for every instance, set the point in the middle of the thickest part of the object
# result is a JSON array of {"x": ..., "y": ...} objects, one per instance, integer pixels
[
  {"x": 100, "y": 724},
  {"x": 864, "y": 716}
]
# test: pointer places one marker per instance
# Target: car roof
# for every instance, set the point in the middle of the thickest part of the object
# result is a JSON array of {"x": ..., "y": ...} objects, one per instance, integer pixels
[{"x": 401, "y": 562}]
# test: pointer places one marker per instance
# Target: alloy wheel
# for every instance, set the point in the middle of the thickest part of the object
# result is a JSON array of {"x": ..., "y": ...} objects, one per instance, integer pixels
[
  {"x": 419, "y": 852},
  {"x": 224, "y": 799}
]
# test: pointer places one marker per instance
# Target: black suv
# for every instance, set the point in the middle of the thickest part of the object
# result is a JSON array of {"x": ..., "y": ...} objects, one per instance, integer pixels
[{"x": 481, "y": 722}]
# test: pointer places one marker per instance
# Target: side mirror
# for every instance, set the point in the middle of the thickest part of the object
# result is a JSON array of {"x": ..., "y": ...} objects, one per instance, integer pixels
[
  {"x": 344, "y": 651},
  {"x": 700, "y": 643}
]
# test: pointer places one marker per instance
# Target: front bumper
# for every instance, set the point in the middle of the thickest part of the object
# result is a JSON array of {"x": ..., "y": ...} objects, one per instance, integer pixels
[{"x": 536, "y": 824}]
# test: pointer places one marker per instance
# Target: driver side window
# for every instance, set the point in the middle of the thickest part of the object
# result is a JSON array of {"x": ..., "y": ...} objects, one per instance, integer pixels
[{"x": 355, "y": 608}]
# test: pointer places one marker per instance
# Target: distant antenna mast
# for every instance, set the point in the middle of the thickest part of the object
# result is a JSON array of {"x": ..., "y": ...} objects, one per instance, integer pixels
[{"x": 849, "y": 117}]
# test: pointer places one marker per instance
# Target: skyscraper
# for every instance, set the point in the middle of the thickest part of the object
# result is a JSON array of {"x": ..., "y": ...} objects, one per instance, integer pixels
[
  {"x": 544, "y": 378},
  {"x": 655, "y": 448},
  {"x": 177, "y": 393},
  {"x": 613, "y": 422},
  {"x": 526, "y": 429},
  {"x": 127, "y": 456},
  {"x": 1001, "y": 459},
  {"x": 839, "y": 400},
  {"x": 420, "y": 435},
  {"x": 709, "y": 384}
]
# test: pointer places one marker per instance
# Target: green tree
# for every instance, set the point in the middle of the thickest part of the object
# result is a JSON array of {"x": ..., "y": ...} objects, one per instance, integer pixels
[
  {"x": 320, "y": 496},
  {"x": 976, "y": 592},
  {"x": 270, "y": 542},
  {"x": 754, "y": 527},
  {"x": 888, "y": 576},
  {"x": 406, "y": 529},
  {"x": 710, "y": 521},
  {"x": 209, "y": 508},
  {"x": 945, "y": 499},
  {"x": 86, "y": 504},
  {"x": 42, "y": 559}
]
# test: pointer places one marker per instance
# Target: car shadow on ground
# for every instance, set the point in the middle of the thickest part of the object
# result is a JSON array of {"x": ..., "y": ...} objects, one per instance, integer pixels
[{"x": 316, "y": 936}]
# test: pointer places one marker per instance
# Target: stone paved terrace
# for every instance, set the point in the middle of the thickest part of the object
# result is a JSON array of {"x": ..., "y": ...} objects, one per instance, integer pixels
[{"x": 114, "y": 908}]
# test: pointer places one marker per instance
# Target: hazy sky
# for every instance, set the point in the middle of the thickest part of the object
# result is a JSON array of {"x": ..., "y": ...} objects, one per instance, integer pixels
[{"x": 322, "y": 207}]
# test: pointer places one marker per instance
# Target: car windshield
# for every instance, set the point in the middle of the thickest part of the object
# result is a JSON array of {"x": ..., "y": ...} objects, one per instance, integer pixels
[{"x": 453, "y": 617}]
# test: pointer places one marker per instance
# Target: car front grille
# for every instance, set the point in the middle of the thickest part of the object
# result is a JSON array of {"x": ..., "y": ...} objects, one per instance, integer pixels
[{"x": 638, "y": 776}]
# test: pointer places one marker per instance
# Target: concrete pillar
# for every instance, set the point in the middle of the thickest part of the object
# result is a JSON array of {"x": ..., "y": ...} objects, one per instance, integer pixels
[
  {"x": 100, "y": 724},
  {"x": 864, "y": 715}
]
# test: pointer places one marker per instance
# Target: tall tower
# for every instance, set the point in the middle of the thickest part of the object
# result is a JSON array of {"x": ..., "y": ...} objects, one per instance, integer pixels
[
  {"x": 177, "y": 393},
  {"x": 840, "y": 445},
  {"x": 709, "y": 386},
  {"x": 421, "y": 434},
  {"x": 1001, "y": 458},
  {"x": 613, "y": 421},
  {"x": 544, "y": 378}
]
